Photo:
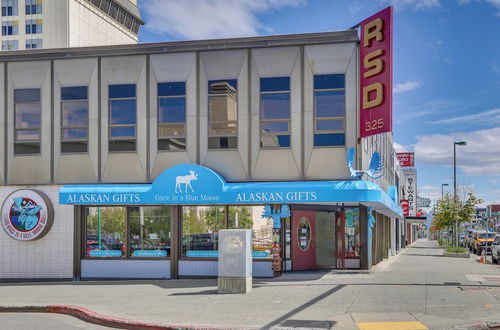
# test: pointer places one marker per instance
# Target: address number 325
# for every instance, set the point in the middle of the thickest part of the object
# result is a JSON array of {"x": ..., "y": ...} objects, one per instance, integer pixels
[{"x": 374, "y": 124}]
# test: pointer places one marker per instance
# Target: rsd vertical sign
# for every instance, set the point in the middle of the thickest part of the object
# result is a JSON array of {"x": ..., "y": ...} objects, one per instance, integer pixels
[{"x": 376, "y": 74}]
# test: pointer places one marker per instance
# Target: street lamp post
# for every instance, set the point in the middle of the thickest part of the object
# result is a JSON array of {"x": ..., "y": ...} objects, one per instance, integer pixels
[
  {"x": 442, "y": 186},
  {"x": 455, "y": 143}
]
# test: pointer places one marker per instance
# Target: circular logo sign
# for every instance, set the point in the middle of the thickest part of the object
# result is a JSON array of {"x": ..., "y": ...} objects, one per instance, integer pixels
[{"x": 27, "y": 215}]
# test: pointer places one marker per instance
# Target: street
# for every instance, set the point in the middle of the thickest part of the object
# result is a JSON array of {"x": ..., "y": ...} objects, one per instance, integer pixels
[{"x": 418, "y": 286}]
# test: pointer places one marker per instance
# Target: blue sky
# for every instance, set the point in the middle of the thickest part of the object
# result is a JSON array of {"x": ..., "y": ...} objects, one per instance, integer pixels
[{"x": 446, "y": 69}]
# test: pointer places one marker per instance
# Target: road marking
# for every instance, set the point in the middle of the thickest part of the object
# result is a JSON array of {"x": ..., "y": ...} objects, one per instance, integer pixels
[{"x": 391, "y": 325}]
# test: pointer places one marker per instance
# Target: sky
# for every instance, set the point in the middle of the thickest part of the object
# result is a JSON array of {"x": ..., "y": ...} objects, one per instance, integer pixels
[{"x": 446, "y": 70}]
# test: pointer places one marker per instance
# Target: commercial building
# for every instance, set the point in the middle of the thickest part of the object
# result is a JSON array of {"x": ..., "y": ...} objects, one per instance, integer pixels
[
  {"x": 34, "y": 24},
  {"x": 125, "y": 161}
]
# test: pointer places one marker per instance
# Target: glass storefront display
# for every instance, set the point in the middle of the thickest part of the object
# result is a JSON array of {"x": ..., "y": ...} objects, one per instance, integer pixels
[
  {"x": 150, "y": 233},
  {"x": 200, "y": 227},
  {"x": 352, "y": 237},
  {"x": 105, "y": 234}
]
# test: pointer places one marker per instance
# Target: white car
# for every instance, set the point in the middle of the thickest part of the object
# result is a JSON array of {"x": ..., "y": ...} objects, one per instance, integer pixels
[{"x": 495, "y": 249}]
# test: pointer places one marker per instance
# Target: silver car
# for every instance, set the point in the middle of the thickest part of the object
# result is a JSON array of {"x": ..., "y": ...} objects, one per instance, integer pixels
[{"x": 495, "y": 249}]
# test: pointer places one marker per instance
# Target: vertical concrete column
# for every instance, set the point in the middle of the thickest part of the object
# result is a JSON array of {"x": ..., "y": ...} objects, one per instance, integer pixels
[{"x": 235, "y": 261}]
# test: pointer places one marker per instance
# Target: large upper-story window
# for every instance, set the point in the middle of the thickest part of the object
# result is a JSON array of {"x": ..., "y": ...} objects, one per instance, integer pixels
[
  {"x": 33, "y": 26},
  {"x": 28, "y": 113},
  {"x": 74, "y": 119},
  {"x": 33, "y": 7},
  {"x": 34, "y": 43},
  {"x": 9, "y": 7},
  {"x": 122, "y": 117},
  {"x": 10, "y": 44},
  {"x": 172, "y": 116},
  {"x": 222, "y": 114},
  {"x": 329, "y": 110},
  {"x": 10, "y": 28},
  {"x": 275, "y": 112}
]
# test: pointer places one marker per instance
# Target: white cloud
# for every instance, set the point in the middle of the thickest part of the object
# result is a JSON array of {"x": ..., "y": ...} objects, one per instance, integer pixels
[
  {"x": 400, "y": 148},
  {"x": 428, "y": 188},
  {"x": 203, "y": 19},
  {"x": 485, "y": 116},
  {"x": 480, "y": 157},
  {"x": 406, "y": 87}
]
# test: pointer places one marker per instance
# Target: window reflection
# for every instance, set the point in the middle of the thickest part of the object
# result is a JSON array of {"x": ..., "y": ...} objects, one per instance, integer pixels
[
  {"x": 249, "y": 217},
  {"x": 105, "y": 231},
  {"x": 275, "y": 112},
  {"x": 150, "y": 232},
  {"x": 200, "y": 230},
  {"x": 27, "y": 124},
  {"x": 74, "y": 119},
  {"x": 222, "y": 114},
  {"x": 122, "y": 117},
  {"x": 172, "y": 116}
]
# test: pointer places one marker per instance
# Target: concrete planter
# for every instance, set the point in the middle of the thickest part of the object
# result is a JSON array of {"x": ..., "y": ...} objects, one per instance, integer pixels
[{"x": 456, "y": 255}]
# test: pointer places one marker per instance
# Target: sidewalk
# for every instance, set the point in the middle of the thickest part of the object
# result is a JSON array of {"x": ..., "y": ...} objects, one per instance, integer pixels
[{"x": 416, "y": 286}]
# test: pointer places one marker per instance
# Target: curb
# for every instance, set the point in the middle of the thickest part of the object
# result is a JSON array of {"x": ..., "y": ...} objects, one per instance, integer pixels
[{"x": 96, "y": 318}]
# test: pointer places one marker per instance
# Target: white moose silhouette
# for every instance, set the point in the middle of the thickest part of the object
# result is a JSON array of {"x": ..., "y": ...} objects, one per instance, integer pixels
[{"x": 186, "y": 180}]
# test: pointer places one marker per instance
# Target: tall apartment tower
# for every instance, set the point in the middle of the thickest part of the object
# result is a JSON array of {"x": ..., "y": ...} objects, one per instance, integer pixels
[{"x": 31, "y": 24}]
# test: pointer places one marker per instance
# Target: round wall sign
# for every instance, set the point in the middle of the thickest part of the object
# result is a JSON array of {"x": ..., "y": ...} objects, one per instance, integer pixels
[{"x": 27, "y": 215}]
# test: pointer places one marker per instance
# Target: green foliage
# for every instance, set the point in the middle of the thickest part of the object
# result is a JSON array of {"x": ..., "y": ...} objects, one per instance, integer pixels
[
  {"x": 449, "y": 209},
  {"x": 456, "y": 250}
]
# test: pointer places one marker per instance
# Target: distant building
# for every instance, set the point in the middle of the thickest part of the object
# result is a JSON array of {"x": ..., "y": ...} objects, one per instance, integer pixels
[
  {"x": 423, "y": 202},
  {"x": 33, "y": 24}
]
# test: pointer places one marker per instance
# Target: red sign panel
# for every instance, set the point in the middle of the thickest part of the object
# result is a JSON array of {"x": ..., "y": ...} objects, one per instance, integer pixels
[
  {"x": 404, "y": 206},
  {"x": 406, "y": 159},
  {"x": 376, "y": 74}
]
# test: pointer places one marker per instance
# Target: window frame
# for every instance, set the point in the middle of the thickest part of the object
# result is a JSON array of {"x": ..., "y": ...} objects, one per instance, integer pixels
[
  {"x": 288, "y": 121},
  {"x": 212, "y": 122},
  {"x": 39, "y": 129},
  {"x": 159, "y": 125},
  {"x": 317, "y": 119},
  {"x": 111, "y": 126},
  {"x": 63, "y": 128}
]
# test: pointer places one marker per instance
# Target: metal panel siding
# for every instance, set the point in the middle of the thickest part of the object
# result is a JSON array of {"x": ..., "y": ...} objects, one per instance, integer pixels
[{"x": 126, "y": 269}]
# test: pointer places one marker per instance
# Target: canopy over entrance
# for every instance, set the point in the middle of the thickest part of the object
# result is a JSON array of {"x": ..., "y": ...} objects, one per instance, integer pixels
[{"x": 195, "y": 184}]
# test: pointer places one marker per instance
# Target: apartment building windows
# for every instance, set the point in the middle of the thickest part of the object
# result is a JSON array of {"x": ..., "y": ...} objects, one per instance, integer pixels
[
  {"x": 9, "y": 7},
  {"x": 74, "y": 119},
  {"x": 275, "y": 112},
  {"x": 34, "y": 43},
  {"x": 222, "y": 114},
  {"x": 10, "y": 44},
  {"x": 172, "y": 116},
  {"x": 33, "y": 26},
  {"x": 122, "y": 117},
  {"x": 329, "y": 110},
  {"x": 27, "y": 126},
  {"x": 10, "y": 28},
  {"x": 33, "y": 7}
]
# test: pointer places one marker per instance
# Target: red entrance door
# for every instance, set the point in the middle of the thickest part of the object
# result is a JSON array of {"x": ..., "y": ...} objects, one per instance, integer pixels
[{"x": 303, "y": 240}]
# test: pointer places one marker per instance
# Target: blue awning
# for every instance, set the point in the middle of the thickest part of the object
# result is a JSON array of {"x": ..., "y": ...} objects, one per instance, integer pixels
[{"x": 197, "y": 185}]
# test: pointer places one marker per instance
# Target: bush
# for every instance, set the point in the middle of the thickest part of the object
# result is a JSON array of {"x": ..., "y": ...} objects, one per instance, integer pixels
[{"x": 456, "y": 250}]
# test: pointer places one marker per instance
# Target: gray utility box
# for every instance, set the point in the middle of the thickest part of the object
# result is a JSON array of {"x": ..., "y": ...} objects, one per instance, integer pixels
[{"x": 235, "y": 261}]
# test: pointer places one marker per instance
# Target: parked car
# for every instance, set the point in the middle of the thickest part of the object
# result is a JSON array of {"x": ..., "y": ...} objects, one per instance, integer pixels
[
  {"x": 201, "y": 242},
  {"x": 482, "y": 241},
  {"x": 495, "y": 249}
]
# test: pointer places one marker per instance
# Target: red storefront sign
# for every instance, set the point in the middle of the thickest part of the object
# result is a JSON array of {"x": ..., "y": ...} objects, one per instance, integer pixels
[
  {"x": 406, "y": 159},
  {"x": 376, "y": 74},
  {"x": 404, "y": 206}
]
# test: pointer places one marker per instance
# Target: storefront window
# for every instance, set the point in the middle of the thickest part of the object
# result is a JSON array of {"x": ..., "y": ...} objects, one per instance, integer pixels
[
  {"x": 150, "y": 232},
  {"x": 105, "y": 231},
  {"x": 249, "y": 217},
  {"x": 352, "y": 236},
  {"x": 200, "y": 228}
]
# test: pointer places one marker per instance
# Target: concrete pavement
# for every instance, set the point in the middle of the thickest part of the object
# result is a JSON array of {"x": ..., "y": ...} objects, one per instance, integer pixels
[{"x": 419, "y": 286}]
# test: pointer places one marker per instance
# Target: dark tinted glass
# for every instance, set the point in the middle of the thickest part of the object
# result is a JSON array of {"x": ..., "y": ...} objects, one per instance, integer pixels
[
  {"x": 27, "y": 148},
  {"x": 122, "y": 112},
  {"x": 223, "y": 142},
  {"x": 74, "y": 93},
  {"x": 275, "y": 126},
  {"x": 171, "y": 89},
  {"x": 214, "y": 86},
  {"x": 172, "y": 110},
  {"x": 322, "y": 140},
  {"x": 172, "y": 144},
  {"x": 122, "y": 145},
  {"x": 275, "y": 106},
  {"x": 27, "y": 95},
  {"x": 329, "y": 81},
  {"x": 77, "y": 133},
  {"x": 329, "y": 104},
  {"x": 329, "y": 125},
  {"x": 120, "y": 91},
  {"x": 122, "y": 132},
  {"x": 74, "y": 146},
  {"x": 275, "y": 84}
]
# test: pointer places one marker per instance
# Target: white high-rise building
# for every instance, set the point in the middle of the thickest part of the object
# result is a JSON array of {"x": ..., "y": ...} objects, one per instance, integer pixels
[{"x": 29, "y": 24}]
